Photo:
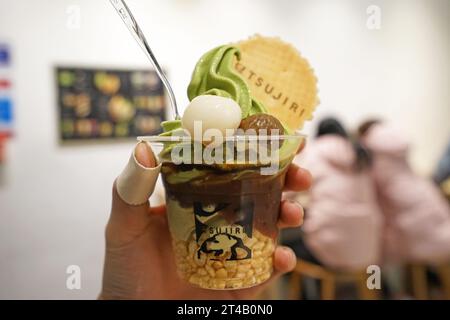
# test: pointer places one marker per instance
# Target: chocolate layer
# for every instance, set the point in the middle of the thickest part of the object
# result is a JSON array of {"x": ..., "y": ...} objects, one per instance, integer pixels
[{"x": 235, "y": 191}]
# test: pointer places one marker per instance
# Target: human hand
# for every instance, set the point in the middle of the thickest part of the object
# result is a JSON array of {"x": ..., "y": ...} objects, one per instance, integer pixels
[{"x": 139, "y": 261}]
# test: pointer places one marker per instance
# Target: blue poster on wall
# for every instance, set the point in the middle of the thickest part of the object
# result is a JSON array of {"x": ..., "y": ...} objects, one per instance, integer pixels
[
  {"x": 5, "y": 114},
  {"x": 6, "y": 103},
  {"x": 5, "y": 55}
]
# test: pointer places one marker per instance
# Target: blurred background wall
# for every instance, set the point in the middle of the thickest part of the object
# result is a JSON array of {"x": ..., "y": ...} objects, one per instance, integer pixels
[{"x": 54, "y": 199}]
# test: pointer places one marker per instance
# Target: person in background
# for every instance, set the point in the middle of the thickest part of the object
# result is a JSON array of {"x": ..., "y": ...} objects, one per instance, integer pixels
[
  {"x": 417, "y": 217},
  {"x": 442, "y": 174},
  {"x": 342, "y": 220}
]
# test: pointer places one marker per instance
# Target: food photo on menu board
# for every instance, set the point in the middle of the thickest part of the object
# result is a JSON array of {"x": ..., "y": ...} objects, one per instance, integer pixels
[{"x": 105, "y": 104}]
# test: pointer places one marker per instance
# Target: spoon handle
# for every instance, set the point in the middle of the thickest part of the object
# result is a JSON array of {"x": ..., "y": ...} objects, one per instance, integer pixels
[{"x": 132, "y": 25}]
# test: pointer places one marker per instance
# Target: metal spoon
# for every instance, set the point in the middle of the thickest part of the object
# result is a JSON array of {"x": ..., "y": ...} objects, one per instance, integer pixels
[{"x": 127, "y": 17}]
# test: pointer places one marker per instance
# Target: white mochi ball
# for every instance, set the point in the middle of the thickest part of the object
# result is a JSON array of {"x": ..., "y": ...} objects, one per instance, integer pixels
[{"x": 213, "y": 112}]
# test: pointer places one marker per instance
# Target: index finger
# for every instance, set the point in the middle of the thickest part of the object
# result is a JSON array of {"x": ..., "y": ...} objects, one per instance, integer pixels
[
  {"x": 302, "y": 146},
  {"x": 297, "y": 179}
]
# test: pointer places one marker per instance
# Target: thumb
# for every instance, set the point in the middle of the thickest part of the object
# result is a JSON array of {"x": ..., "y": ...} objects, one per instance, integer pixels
[
  {"x": 144, "y": 155},
  {"x": 137, "y": 181},
  {"x": 131, "y": 190}
]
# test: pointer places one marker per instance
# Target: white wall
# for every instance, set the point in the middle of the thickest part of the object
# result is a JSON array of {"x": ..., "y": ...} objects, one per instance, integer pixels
[{"x": 54, "y": 200}]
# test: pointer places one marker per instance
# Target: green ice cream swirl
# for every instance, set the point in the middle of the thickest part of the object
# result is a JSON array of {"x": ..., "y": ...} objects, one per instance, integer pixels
[{"x": 214, "y": 75}]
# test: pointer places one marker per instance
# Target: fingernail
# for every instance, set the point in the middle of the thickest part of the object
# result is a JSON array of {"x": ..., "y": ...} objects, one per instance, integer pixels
[
  {"x": 137, "y": 181},
  {"x": 299, "y": 206},
  {"x": 291, "y": 256},
  {"x": 144, "y": 155},
  {"x": 295, "y": 203}
]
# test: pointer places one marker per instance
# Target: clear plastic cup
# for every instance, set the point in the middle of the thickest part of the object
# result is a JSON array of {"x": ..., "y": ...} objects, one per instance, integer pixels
[{"x": 223, "y": 216}]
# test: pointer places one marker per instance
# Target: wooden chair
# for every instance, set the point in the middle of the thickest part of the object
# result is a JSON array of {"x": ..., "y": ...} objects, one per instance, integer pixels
[
  {"x": 419, "y": 281},
  {"x": 328, "y": 280},
  {"x": 445, "y": 188}
]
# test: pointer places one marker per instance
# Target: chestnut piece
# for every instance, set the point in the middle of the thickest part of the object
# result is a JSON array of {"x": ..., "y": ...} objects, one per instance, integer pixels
[{"x": 262, "y": 121}]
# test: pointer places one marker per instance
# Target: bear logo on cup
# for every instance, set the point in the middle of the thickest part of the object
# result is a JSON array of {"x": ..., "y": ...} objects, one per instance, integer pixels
[
  {"x": 223, "y": 242},
  {"x": 224, "y": 239}
]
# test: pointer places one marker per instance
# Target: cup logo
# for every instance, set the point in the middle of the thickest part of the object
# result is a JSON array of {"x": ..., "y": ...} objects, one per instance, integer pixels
[{"x": 223, "y": 240}]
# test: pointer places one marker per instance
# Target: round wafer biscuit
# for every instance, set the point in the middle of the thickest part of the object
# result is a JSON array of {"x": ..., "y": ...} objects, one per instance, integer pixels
[{"x": 279, "y": 78}]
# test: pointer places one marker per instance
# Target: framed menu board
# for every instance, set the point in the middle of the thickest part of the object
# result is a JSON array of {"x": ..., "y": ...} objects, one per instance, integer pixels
[{"x": 105, "y": 104}]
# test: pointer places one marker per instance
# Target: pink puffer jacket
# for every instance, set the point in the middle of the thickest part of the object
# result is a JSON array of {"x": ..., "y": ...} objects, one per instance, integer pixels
[
  {"x": 417, "y": 217},
  {"x": 343, "y": 222}
]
